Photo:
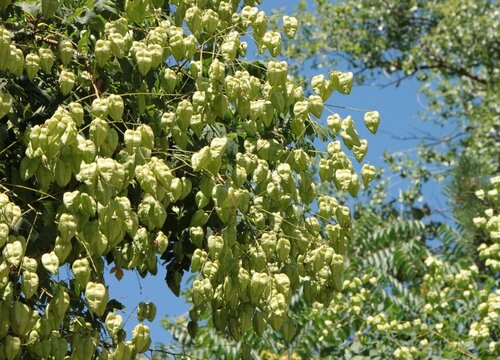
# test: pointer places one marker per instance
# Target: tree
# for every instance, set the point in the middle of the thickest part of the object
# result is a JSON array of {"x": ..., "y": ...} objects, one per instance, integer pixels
[
  {"x": 404, "y": 296},
  {"x": 137, "y": 132}
]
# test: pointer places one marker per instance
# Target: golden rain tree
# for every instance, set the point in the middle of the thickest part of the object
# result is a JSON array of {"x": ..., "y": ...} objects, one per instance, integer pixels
[{"x": 137, "y": 134}]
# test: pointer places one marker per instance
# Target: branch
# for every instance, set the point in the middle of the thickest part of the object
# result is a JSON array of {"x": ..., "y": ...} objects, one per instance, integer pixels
[{"x": 441, "y": 64}]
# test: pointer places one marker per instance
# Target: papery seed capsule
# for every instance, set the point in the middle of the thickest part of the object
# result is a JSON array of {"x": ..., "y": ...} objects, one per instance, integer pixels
[
  {"x": 290, "y": 26},
  {"x": 16, "y": 59},
  {"x": 47, "y": 59},
  {"x": 65, "y": 51},
  {"x": 102, "y": 52},
  {"x": 368, "y": 173},
  {"x": 372, "y": 121},
  {"x": 66, "y": 81},
  {"x": 32, "y": 65},
  {"x": 97, "y": 297}
]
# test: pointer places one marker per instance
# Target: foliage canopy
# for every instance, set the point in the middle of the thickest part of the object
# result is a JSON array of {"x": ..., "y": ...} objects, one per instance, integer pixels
[
  {"x": 417, "y": 285},
  {"x": 137, "y": 133}
]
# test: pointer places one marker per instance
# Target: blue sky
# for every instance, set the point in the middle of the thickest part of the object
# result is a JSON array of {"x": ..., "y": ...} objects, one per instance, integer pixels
[{"x": 399, "y": 108}]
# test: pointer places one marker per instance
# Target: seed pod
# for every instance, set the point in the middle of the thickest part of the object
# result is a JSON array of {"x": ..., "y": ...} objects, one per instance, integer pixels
[
  {"x": 4, "y": 234},
  {"x": 219, "y": 318},
  {"x": 81, "y": 271},
  {"x": 190, "y": 46},
  {"x": 5, "y": 42},
  {"x": 259, "y": 25},
  {"x": 215, "y": 246},
  {"x": 144, "y": 61},
  {"x": 29, "y": 264},
  {"x": 198, "y": 260},
  {"x": 290, "y": 26},
  {"x": 97, "y": 297},
  {"x": 193, "y": 19},
  {"x": 117, "y": 45},
  {"x": 76, "y": 112},
  {"x": 115, "y": 107},
  {"x": 342, "y": 82},
  {"x": 98, "y": 131},
  {"x": 334, "y": 122},
  {"x": 123, "y": 351},
  {"x": 50, "y": 262},
  {"x": 156, "y": 53},
  {"x": 40, "y": 348},
  {"x": 368, "y": 173},
  {"x": 372, "y": 121},
  {"x": 176, "y": 189},
  {"x": 32, "y": 65},
  {"x": 201, "y": 159},
  {"x": 343, "y": 216},
  {"x": 210, "y": 21},
  {"x": 354, "y": 185},
  {"x": 142, "y": 311},
  {"x": 177, "y": 47},
  {"x": 11, "y": 214},
  {"x": 13, "y": 252},
  {"x": 169, "y": 80},
  {"x": 151, "y": 313},
  {"x": 342, "y": 179},
  {"x": 47, "y": 59},
  {"x": 277, "y": 73},
  {"x": 184, "y": 112},
  {"x": 67, "y": 226},
  {"x": 268, "y": 243},
  {"x": 283, "y": 248},
  {"x": 66, "y": 81},
  {"x": 161, "y": 242},
  {"x": 65, "y": 51},
  {"x": 49, "y": 8},
  {"x": 29, "y": 283},
  {"x": 113, "y": 323},
  {"x": 151, "y": 212},
  {"x": 16, "y": 59},
  {"x": 326, "y": 170},
  {"x": 133, "y": 140},
  {"x": 272, "y": 41},
  {"x": 321, "y": 87},
  {"x": 4, "y": 278},
  {"x": 258, "y": 284},
  {"x": 102, "y": 52},
  {"x": 147, "y": 136},
  {"x": 62, "y": 249},
  {"x": 361, "y": 150},
  {"x": 316, "y": 105},
  {"x": 141, "y": 338}
]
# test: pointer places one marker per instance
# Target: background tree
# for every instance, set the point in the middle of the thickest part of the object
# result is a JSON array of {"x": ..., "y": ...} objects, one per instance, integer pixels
[{"x": 137, "y": 133}]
